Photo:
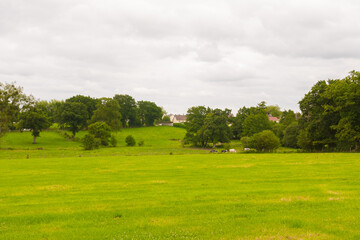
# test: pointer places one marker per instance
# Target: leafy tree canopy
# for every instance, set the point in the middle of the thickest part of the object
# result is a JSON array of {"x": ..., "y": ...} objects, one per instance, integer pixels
[
  {"x": 34, "y": 119},
  {"x": 128, "y": 109},
  {"x": 73, "y": 115},
  {"x": 108, "y": 111}
]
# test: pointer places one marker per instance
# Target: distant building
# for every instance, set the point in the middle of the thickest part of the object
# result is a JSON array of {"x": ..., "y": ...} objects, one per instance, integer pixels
[
  {"x": 273, "y": 119},
  {"x": 177, "y": 118}
]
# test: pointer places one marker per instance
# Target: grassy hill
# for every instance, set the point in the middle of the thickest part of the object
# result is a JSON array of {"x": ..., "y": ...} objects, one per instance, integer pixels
[
  {"x": 158, "y": 140},
  {"x": 235, "y": 196}
]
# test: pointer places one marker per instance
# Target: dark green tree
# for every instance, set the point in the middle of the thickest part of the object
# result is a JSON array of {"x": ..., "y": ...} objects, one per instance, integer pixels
[
  {"x": 88, "y": 101},
  {"x": 194, "y": 122},
  {"x": 108, "y": 111},
  {"x": 12, "y": 99},
  {"x": 148, "y": 113},
  {"x": 34, "y": 119},
  {"x": 315, "y": 120},
  {"x": 291, "y": 133},
  {"x": 128, "y": 110},
  {"x": 255, "y": 123},
  {"x": 216, "y": 127},
  {"x": 73, "y": 115}
]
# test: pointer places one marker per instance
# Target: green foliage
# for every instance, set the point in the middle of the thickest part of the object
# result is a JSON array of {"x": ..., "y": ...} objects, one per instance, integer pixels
[
  {"x": 287, "y": 118},
  {"x": 35, "y": 119},
  {"x": 331, "y": 114},
  {"x": 249, "y": 121},
  {"x": 101, "y": 131},
  {"x": 113, "y": 141},
  {"x": 88, "y": 101},
  {"x": 227, "y": 146},
  {"x": 73, "y": 115},
  {"x": 128, "y": 110},
  {"x": 148, "y": 113},
  {"x": 108, "y": 111},
  {"x": 205, "y": 125},
  {"x": 89, "y": 142},
  {"x": 255, "y": 123},
  {"x": 12, "y": 99},
  {"x": 141, "y": 143},
  {"x": 166, "y": 119},
  {"x": 265, "y": 141},
  {"x": 130, "y": 141},
  {"x": 290, "y": 135},
  {"x": 245, "y": 142},
  {"x": 274, "y": 110},
  {"x": 179, "y": 125}
]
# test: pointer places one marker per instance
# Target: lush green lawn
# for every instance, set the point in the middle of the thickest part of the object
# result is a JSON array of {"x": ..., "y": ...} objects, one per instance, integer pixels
[
  {"x": 158, "y": 140},
  {"x": 220, "y": 196}
]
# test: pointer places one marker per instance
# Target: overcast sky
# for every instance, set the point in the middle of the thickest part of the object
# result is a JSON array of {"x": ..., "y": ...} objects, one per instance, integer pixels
[{"x": 178, "y": 53}]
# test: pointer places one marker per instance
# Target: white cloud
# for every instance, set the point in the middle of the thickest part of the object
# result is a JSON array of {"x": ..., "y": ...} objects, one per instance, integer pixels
[{"x": 178, "y": 53}]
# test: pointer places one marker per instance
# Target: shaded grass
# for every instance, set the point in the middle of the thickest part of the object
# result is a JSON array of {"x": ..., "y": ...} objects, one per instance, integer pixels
[{"x": 250, "y": 196}]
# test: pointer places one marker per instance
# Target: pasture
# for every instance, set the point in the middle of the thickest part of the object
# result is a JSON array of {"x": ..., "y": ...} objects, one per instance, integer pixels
[
  {"x": 157, "y": 140},
  {"x": 198, "y": 196}
]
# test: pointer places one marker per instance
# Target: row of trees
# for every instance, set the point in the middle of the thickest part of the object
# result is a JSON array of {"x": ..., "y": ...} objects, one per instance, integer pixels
[
  {"x": 331, "y": 115},
  {"x": 18, "y": 111},
  {"x": 211, "y": 126},
  {"x": 329, "y": 120}
]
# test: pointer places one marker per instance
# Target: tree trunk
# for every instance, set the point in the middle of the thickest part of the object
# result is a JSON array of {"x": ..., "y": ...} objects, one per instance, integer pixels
[{"x": 34, "y": 142}]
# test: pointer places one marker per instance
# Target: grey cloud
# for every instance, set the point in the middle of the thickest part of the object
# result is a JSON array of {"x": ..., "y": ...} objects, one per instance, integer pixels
[{"x": 178, "y": 53}]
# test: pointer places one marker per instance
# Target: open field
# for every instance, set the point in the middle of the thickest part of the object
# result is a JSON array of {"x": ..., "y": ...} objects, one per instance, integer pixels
[
  {"x": 158, "y": 140},
  {"x": 221, "y": 196}
]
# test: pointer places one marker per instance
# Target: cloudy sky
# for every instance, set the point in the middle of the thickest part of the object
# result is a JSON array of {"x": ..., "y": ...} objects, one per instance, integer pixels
[{"x": 178, "y": 53}]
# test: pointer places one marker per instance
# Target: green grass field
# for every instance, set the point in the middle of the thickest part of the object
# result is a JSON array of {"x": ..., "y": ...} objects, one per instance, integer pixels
[
  {"x": 186, "y": 196},
  {"x": 158, "y": 140}
]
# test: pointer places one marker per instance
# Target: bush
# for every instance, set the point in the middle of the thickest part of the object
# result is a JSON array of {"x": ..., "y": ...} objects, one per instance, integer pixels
[
  {"x": 102, "y": 131},
  {"x": 265, "y": 141},
  {"x": 89, "y": 142},
  {"x": 245, "y": 141},
  {"x": 227, "y": 146},
  {"x": 130, "y": 141},
  {"x": 141, "y": 143},
  {"x": 113, "y": 141},
  {"x": 179, "y": 125}
]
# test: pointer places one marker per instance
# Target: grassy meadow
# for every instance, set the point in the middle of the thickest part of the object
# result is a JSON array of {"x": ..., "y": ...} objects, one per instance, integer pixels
[
  {"x": 157, "y": 140},
  {"x": 105, "y": 194}
]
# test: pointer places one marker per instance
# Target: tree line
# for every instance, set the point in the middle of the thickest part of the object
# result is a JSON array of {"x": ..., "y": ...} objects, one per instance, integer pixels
[
  {"x": 19, "y": 111},
  {"x": 329, "y": 121}
]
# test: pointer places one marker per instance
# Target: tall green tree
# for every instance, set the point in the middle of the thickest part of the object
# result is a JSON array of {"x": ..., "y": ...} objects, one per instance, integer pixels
[
  {"x": 344, "y": 100},
  {"x": 108, "y": 111},
  {"x": 128, "y": 110},
  {"x": 291, "y": 133},
  {"x": 274, "y": 110},
  {"x": 240, "y": 129},
  {"x": 149, "y": 112},
  {"x": 74, "y": 116},
  {"x": 205, "y": 126},
  {"x": 88, "y": 101},
  {"x": 12, "y": 99},
  {"x": 194, "y": 121},
  {"x": 255, "y": 123},
  {"x": 34, "y": 119},
  {"x": 216, "y": 127}
]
